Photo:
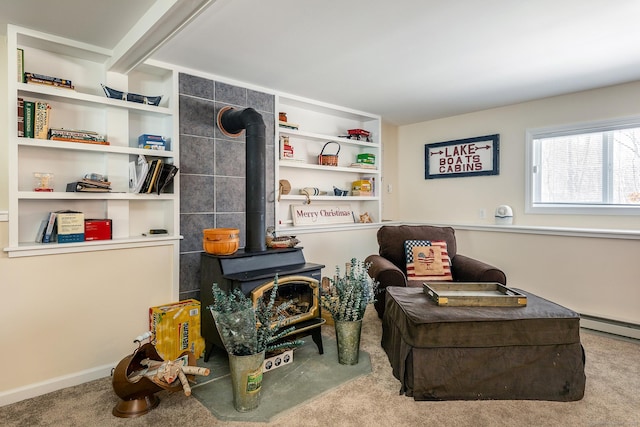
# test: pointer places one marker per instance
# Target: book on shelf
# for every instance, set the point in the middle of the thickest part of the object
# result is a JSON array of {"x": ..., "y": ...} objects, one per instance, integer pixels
[
  {"x": 48, "y": 232},
  {"x": 20, "y": 60},
  {"x": 287, "y": 125},
  {"x": 83, "y": 141},
  {"x": 72, "y": 135},
  {"x": 41, "y": 120},
  {"x": 20, "y": 117},
  {"x": 148, "y": 175},
  {"x": 80, "y": 187},
  {"x": 152, "y": 176},
  {"x": 29, "y": 117},
  {"x": 138, "y": 175},
  {"x": 76, "y": 134},
  {"x": 47, "y": 80},
  {"x": 363, "y": 166},
  {"x": 70, "y": 226},
  {"x": 89, "y": 186},
  {"x": 41, "y": 230},
  {"x": 167, "y": 174}
]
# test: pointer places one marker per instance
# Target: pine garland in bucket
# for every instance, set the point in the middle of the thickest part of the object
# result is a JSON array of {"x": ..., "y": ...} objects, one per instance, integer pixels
[
  {"x": 245, "y": 329},
  {"x": 348, "y": 296}
]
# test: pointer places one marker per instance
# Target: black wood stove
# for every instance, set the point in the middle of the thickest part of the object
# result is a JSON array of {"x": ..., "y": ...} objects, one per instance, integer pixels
[
  {"x": 255, "y": 265},
  {"x": 250, "y": 270}
]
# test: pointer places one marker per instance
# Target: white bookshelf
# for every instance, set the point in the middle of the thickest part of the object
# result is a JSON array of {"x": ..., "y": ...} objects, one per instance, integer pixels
[{"x": 87, "y": 108}]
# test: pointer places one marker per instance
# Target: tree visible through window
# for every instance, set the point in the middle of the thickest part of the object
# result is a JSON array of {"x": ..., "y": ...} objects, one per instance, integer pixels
[{"x": 575, "y": 168}]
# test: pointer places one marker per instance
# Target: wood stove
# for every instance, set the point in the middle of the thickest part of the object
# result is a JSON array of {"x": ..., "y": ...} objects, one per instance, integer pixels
[
  {"x": 255, "y": 265},
  {"x": 253, "y": 273}
]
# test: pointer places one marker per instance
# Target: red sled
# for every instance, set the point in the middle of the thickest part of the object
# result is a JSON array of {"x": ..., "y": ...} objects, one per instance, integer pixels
[{"x": 359, "y": 132}]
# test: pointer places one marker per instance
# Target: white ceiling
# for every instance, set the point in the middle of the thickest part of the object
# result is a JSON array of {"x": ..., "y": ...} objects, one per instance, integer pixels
[{"x": 407, "y": 60}]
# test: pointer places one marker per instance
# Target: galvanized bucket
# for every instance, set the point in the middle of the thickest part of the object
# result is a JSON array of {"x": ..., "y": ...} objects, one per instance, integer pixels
[
  {"x": 246, "y": 380},
  {"x": 348, "y": 338}
]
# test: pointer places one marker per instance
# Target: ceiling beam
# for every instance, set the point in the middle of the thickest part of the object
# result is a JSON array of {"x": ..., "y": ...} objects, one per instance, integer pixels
[{"x": 164, "y": 19}]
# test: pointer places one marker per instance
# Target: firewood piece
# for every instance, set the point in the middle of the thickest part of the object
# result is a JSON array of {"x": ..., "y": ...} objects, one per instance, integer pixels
[
  {"x": 185, "y": 383},
  {"x": 195, "y": 370}
]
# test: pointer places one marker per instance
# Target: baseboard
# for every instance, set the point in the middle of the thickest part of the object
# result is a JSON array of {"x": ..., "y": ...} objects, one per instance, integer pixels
[
  {"x": 58, "y": 383},
  {"x": 625, "y": 329}
]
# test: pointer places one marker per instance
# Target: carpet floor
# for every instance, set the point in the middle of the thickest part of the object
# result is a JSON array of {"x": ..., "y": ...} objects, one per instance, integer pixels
[{"x": 611, "y": 398}]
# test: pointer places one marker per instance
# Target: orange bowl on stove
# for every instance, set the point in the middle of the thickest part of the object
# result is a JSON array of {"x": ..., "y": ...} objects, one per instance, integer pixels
[{"x": 221, "y": 241}]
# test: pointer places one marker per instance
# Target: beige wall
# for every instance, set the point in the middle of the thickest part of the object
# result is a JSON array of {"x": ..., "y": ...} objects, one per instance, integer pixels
[
  {"x": 595, "y": 276},
  {"x": 460, "y": 199},
  {"x": 388, "y": 190}
]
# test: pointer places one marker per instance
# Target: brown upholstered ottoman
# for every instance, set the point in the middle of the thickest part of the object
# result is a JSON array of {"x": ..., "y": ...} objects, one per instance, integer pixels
[{"x": 469, "y": 353}]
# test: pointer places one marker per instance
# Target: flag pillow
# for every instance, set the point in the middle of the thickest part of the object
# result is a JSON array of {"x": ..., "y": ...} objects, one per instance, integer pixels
[{"x": 427, "y": 260}]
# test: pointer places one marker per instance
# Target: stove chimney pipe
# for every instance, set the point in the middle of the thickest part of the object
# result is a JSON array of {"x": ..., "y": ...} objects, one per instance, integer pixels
[{"x": 231, "y": 122}]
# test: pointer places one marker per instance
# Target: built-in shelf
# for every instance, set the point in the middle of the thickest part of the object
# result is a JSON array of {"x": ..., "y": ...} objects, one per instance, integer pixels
[
  {"x": 86, "y": 107},
  {"x": 322, "y": 128}
]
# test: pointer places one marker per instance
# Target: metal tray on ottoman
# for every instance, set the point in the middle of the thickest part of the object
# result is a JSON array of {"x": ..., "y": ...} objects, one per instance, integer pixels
[
  {"x": 474, "y": 294},
  {"x": 472, "y": 353}
]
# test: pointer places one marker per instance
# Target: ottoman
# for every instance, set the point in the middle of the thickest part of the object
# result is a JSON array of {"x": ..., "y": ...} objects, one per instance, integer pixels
[{"x": 472, "y": 353}]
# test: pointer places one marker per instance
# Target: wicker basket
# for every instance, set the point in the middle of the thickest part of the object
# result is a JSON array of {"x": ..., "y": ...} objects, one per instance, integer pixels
[
  {"x": 328, "y": 159},
  {"x": 221, "y": 241}
]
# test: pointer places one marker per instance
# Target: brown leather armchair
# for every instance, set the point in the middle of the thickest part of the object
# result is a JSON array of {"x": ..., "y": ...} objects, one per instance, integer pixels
[{"x": 389, "y": 267}]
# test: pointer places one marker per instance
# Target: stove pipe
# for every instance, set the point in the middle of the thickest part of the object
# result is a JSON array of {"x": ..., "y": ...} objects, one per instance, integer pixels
[{"x": 231, "y": 122}]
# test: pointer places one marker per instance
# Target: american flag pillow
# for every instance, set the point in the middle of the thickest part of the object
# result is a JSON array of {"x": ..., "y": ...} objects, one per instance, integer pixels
[{"x": 427, "y": 260}]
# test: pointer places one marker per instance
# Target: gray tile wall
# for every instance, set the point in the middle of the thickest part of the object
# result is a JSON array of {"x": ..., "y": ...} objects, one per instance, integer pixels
[{"x": 212, "y": 168}]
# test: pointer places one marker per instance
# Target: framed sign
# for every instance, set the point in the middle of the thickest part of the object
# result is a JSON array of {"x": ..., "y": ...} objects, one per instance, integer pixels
[
  {"x": 318, "y": 214},
  {"x": 462, "y": 157}
]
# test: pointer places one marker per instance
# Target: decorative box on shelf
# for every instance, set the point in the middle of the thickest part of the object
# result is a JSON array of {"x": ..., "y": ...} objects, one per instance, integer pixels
[
  {"x": 366, "y": 158},
  {"x": 152, "y": 142}
]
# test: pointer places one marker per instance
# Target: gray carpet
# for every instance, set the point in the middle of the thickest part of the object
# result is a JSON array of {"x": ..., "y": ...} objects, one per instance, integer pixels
[
  {"x": 611, "y": 399},
  {"x": 310, "y": 375}
]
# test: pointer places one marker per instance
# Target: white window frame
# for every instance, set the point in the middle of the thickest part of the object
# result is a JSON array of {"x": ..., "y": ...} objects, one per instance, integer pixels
[{"x": 571, "y": 129}]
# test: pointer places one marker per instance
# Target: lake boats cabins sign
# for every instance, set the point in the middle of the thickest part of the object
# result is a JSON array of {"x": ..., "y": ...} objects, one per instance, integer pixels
[{"x": 462, "y": 157}]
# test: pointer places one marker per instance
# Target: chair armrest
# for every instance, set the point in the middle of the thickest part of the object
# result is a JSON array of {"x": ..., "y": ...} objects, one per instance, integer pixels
[
  {"x": 465, "y": 269},
  {"x": 385, "y": 272}
]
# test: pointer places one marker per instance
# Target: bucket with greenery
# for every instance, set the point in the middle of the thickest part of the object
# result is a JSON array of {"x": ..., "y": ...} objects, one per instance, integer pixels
[
  {"x": 347, "y": 299},
  {"x": 248, "y": 332}
]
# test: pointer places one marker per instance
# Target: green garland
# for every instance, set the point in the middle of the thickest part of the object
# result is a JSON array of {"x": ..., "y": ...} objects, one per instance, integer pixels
[{"x": 348, "y": 296}]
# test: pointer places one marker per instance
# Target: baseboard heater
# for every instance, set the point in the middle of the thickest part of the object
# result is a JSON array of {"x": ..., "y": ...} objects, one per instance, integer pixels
[{"x": 615, "y": 327}]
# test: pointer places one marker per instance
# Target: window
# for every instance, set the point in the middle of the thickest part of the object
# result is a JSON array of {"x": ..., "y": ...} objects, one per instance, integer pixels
[{"x": 586, "y": 169}]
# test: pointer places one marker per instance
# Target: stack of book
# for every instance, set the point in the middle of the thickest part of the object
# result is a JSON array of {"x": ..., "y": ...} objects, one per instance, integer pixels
[
  {"x": 89, "y": 186},
  {"x": 41, "y": 79},
  {"x": 151, "y": 176},
  {"x": 71, "y": 135},
  {"x": 363, "y": 166},
  {"x": 33, "y": 118},
  {"x": 63, "y": 226},
  {"x": 287, "y": 125}
]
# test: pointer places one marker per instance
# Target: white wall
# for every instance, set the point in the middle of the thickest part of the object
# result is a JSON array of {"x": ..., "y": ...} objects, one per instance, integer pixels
[{"x": 595, "y": 276}]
